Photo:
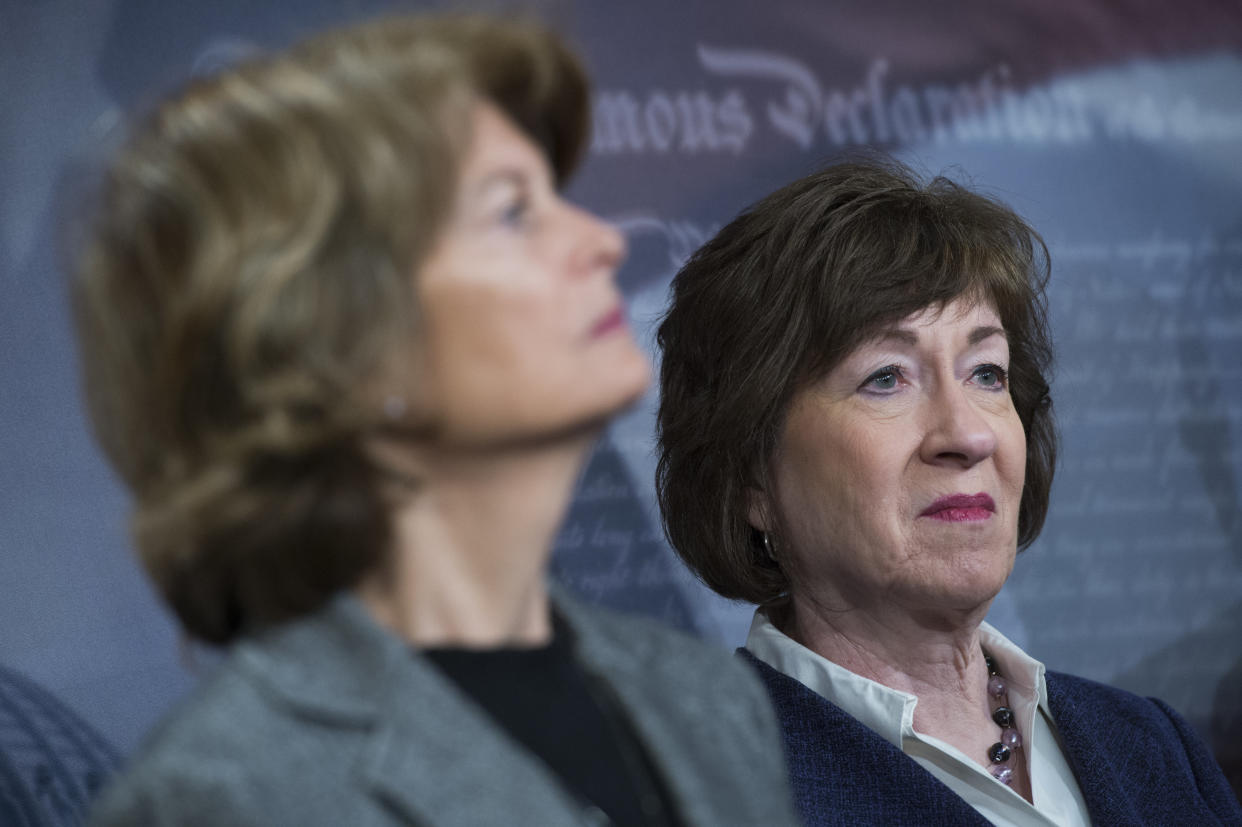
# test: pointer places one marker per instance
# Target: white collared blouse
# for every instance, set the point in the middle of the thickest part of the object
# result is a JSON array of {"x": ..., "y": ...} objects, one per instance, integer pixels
[{"x": 1057, "y": 800}]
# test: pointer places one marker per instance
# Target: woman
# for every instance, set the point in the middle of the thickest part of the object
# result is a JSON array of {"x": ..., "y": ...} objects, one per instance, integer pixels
[
  {"x": 348, "y": 347},
  {"x": 856, "y": 435}
]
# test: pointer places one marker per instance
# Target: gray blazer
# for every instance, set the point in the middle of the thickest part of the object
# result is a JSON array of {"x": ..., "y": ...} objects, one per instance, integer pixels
[{"x": 330, "y": 720}]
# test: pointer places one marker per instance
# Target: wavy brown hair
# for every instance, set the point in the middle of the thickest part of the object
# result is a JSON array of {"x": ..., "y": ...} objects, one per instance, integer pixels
[
  {"x": 246, "y": 285},
  {"x": 785, "y": 292}
]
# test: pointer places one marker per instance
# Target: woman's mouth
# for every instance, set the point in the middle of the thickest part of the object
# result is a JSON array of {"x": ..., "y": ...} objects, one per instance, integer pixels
[
  {"x": 961, "y": 508},
  {"x": 609, "y": 323}
]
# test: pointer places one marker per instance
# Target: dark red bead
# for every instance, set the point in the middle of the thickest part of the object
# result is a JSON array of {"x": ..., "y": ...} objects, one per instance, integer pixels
[
  {"x": 1003, "y": 716},
  {"x": 998, "y": 753}
]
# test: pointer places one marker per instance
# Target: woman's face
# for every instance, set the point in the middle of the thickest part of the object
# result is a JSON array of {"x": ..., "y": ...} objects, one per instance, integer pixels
[
  {"x": 897, "y": 477},
  {"x": 525, "y": 331}
]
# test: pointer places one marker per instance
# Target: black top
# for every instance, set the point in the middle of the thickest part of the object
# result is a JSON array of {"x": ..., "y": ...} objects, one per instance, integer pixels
[{"x": 546, "y": 701}]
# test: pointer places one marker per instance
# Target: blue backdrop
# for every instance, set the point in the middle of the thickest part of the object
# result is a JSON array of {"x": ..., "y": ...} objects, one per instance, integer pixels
[{"x": 1114, "y": 127}]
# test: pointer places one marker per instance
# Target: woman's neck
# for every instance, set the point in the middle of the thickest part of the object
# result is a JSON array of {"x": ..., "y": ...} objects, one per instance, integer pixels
[
  {"x": 937, "y": 659},
  {"x": 471, "y": 545},
  {"x": 904, "y": 651}
]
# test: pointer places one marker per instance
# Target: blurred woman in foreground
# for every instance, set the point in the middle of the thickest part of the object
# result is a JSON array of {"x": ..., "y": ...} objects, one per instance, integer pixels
[
  {"x": 856, "y": 435},
  {"x": 348, "y": 347}
]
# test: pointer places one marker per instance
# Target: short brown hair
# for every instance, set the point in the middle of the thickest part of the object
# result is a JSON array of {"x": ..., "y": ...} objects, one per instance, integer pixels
[
  {"x": 782, "y": 294},
  {"x": 247, "y": 278}
]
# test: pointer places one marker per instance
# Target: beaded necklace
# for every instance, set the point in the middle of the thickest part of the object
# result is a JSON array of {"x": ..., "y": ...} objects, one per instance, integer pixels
[{"x": 1010, "y": 741}]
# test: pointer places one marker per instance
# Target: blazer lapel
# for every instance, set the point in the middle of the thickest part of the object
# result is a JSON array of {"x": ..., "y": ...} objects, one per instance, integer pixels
[
  {"x": 438, "y": 758},
  {"x": 1103, "y": 788},
  {"x": 844, "y": 773},
  {"x": 691, "y": 740},
  {"x": 427, "y": 751},
  {"x": 626, "y": 672}
]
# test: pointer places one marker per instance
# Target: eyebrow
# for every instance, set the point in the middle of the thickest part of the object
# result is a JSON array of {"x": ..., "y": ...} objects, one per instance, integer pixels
[
  {"x": 980, "y": 333},
  {"x": 911, "y": 339},
  {"x": 899, "y": 335},
  {"x": 504, "y": 175}
]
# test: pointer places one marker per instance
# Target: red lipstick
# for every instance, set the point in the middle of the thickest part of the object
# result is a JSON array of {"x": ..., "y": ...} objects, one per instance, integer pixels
[
  {"x": 613, "y": 321},
  {"x": 961, "y": 508}
]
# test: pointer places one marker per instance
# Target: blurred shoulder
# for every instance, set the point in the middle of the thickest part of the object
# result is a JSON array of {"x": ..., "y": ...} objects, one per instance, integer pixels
[
  {"x": 635, "y": 634},
  {"x": 1078, "y": 702},
  {"x": 1089, "y": 694},
  {"x": 697, "y": 706},
  {"x": 237, "y": 750},
  {"x": 636, "y": 642},
  {"x": 191, "y": 763},
  {"x": 1144, "y": 745},
  {"x": 215, "y": 719}
]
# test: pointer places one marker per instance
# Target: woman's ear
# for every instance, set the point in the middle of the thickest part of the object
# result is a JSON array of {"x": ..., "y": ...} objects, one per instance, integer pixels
[{"x": 758, "y": 509}]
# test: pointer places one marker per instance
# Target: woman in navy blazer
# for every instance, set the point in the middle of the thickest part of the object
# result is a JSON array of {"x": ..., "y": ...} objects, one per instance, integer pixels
[
  {"x": 349, "y": 347},
  {"x": 856, "y": 435}
]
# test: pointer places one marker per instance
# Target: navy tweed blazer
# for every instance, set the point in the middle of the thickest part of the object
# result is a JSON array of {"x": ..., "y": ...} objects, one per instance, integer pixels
[
  {"x": 1136, "y": 760},
  {"x": 52, "y": 762}
]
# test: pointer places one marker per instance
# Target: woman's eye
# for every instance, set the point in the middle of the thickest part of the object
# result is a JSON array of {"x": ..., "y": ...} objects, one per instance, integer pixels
[
  {"x": 990, "y": 376},
  {"x": 516, "y": 213},
  {"x": 884, "y": 379}
]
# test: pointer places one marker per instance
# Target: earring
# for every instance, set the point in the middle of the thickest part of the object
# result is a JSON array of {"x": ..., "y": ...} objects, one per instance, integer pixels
[{"x": 768, "y": 550}]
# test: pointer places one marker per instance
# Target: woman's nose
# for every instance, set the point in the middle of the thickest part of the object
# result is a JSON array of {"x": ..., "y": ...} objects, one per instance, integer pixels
[
  {"x": 958, "y": 433},
  {"x": 600, "y": 245}
]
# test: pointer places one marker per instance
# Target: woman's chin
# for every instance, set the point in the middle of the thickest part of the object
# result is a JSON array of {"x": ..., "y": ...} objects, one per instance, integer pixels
[
  {"x": 956, "y": 594},
  {"x": 965, "y": 596},
  {"x": 627, "y": 379}
]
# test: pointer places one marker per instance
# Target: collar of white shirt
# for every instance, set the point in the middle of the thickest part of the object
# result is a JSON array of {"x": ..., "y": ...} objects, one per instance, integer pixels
[{"x": 890, "y": 713}]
